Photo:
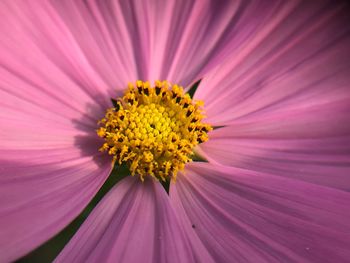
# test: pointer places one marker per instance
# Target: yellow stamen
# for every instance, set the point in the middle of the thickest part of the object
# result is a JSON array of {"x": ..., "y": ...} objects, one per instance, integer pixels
[{"x": 153, "y": 129}]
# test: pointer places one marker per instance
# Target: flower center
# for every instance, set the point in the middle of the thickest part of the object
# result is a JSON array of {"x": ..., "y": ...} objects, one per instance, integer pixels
[{"x": 153, "y": 129}]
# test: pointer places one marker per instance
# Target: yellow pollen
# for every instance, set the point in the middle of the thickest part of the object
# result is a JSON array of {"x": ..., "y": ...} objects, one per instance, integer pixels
[{"x": 153, "y": 129}]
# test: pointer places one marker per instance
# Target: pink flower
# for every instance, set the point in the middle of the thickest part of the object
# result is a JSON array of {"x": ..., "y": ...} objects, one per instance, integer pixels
[{"x": 275, "y": 78}]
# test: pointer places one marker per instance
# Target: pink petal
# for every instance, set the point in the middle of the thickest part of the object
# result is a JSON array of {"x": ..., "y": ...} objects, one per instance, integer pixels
[
  {"x": 50, "y": 166},
  {"x": 133, "y": 223},
  {"x": 180, "y": 40},
  {"x": 101, "y": 46},
  {"x": 51, "y": 95},
  {"x": 313, "y": 156},
  {"x": 41, "y": 192},
  {"x": 245, "y": 216},
  {"x": 51, "y": 99},
  {"x": 298, "y": 63},
  {"x": 65, "y": 46}
]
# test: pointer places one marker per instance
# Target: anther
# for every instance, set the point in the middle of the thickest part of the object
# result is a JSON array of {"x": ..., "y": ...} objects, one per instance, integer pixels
[{"x": 153, "y": 129}]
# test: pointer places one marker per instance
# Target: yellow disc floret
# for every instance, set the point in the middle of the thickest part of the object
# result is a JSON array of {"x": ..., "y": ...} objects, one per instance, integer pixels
[{"x": 153, "y": 129}]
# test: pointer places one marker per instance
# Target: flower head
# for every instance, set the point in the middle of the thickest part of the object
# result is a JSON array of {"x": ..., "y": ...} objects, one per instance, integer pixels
[{"x": 272, "y": 184}]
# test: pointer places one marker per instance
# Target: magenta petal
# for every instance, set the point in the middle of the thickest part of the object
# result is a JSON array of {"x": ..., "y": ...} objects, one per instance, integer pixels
[
  {"x": 321, "y": 157},
  {"x": 66, "y": 45},
  {"x": 183, "y": 39},
  {"x": 102, "y": 45},
  {"x": 245, "y": 216},
  {"x": 133, "y": 223},
  {"x": 49, "y": 89},
  {"x": 41, "y": 192},
  {"x": 298, "y": 63},
  {"x": 49, "y": 163}
]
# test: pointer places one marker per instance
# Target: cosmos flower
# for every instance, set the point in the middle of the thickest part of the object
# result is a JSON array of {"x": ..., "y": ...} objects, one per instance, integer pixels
[{"x": 275, "y": 84}]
